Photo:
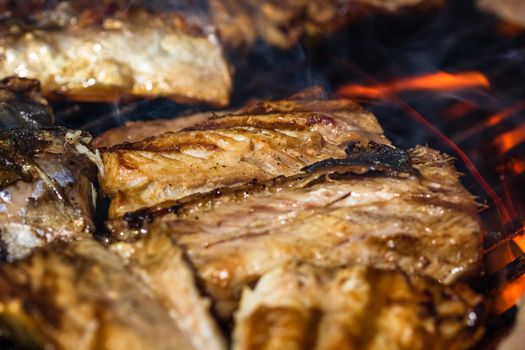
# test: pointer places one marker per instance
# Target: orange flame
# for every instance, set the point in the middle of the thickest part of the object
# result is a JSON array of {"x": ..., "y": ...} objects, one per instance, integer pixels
[
  {"x": 439, "y": 81},
  {"x": 510, "y": 295},
  {"x": 490, "y": 121},
  {"x": 520, "y": 240},
  {"x": 510, "y": 139},
  {"x": 515, "y": 290}
]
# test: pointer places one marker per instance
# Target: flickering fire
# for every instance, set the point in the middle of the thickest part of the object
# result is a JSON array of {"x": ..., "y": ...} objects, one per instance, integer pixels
[
  {"x": 513, "y": 291},
  {"x": 439, "y": 81},
  {"x": 510, "y": 295},
  {"x": 503, "y": 211},
  {"x": 520, "y": 240},
  {"x": 510, "y": 139},
  {"x": 491, "y": 121}
]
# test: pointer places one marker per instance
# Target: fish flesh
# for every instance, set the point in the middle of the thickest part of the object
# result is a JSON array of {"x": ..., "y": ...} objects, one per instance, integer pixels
[
  {"x": 283, "y": 23},
  {"x": 510, "y": 11},
  {"x": 164, "y": 267},
  {"x": 257, "y": 143},
  {"x": 133, "y": 131},
  {"x": 91, "y": 57},
  {"x": 380, "y": 206},
  {"x": 302, "y": 306},
  {"x": 78, "y": 295}
]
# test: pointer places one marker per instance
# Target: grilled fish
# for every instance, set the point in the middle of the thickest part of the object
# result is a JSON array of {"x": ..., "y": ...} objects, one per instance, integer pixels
[
  {"x": 301, "y": 306},
  {"x": 22, "y": 106},
  {"x": 134, "y": 131},
  {"x": 46, "y": 190},
  {"x": 87, "y": 57},
  {"x": 380, "y": 206},
  {"x": 256, "y": 143},
  {"x": 46, "y": 173},
  {"x": 78, "y": 295},
  {"x": 283, "y": 23},
  {"x": 163, "y": 266},
  {"x": 512, "y": 11}
]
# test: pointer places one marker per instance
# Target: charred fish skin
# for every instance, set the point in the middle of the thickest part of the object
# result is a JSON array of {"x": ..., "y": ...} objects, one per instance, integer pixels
[
  {"x": 91, "y": 56},
  {"x": 22, "y": 106},
  {"x": 300, "y": 305},
  {"x": 400, "y": 210},
  {"x": 47, "y": 192},
  {"x": 78, "y": 295}
]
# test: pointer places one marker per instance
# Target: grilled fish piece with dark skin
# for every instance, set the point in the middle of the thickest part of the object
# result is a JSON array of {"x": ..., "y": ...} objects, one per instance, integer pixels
[
  {"x": 46, "y": 190},
  {"x": 254, "y": 144},
  {"x": 380, "y": 206},
  {"x": 22, "y": 106},
  {"x": 89, "y": 55},
  {"x": 301, "y": 306},
  {"x": 78, "y": 295}
]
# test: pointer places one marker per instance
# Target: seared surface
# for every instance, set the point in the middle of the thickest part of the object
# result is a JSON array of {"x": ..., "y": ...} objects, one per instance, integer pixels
[
  {"x": 380, "y": 207},
  {"x": 300, "y": 306},
  {"x": 46, "y": 188},
  {"x": 92, "y": 57},
  {"x": 257, "y": 143},
  {"x": 78, "y": 295}
]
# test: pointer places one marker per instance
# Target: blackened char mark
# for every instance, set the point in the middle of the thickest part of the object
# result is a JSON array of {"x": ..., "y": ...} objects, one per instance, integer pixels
[
  {"x": 375, "y": 157},
  {"x": 139, "y": 218}
]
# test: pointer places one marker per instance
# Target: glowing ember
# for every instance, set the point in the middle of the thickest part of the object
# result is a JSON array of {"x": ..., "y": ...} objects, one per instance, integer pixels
[
  {"x": 510, "y": 295},
  {"x": 460, "y": 109},
  {"x": 439, "y": 81},
  {"x": 510, "y": 139},
  {"x": 517, "y": 166}
]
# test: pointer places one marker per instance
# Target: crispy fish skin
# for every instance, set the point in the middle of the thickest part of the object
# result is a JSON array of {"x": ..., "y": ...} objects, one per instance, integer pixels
[
  {"x": 78, "y": 295},
  {"x": 385, "y": 208},
  {"x": 301, "y": 306},
  {"x": 102, "y": 61},
  {"x": 257, "y": 143},
  {"x": 46, "y": 190}
]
